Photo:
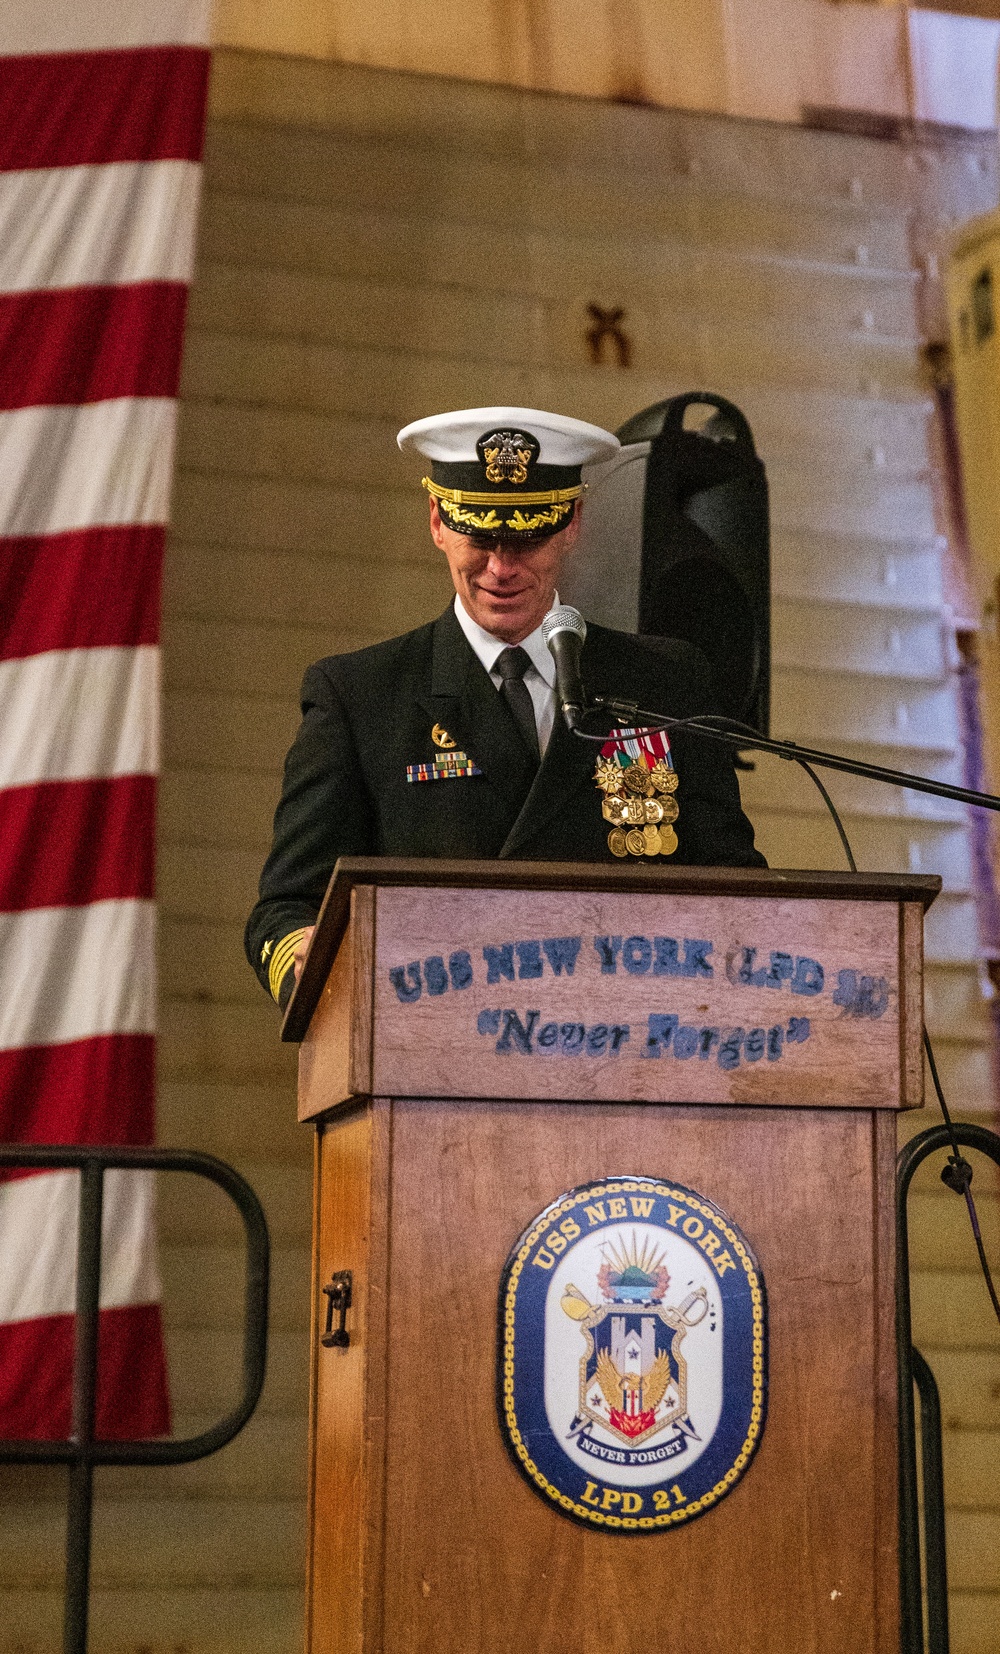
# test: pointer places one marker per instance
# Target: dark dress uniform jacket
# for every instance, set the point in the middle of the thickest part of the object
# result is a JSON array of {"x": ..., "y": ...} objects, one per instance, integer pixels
[{"x": 366, "y": 716}]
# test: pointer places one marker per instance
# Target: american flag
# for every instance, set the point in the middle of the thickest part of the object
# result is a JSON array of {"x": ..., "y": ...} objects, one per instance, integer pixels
[{"x": 102, "y": 109}]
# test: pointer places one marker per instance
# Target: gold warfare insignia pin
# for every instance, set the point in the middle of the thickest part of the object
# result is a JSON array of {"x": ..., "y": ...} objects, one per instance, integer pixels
[
  {"x": 636, "y": 776},
  {"x": 441, "y": 738}
]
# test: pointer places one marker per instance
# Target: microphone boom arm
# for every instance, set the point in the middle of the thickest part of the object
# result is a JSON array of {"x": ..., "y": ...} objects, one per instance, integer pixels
[{"x": 747, "y": 740}]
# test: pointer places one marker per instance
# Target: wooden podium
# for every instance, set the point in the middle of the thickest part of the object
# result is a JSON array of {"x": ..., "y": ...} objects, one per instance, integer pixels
[{"x": 478, "y": 1039}]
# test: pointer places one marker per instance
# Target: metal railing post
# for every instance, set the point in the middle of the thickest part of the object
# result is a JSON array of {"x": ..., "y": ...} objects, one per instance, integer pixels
[
  {"x": 83, "y": 1449},
  {"x": 913, "y": 1369},
  {"x": 80, "y": 1504},
  {"x": 932, "y": 1464}
]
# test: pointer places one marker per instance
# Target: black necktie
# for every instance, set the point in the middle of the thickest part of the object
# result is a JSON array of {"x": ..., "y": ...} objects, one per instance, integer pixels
[{"x": 512, "y": 665}]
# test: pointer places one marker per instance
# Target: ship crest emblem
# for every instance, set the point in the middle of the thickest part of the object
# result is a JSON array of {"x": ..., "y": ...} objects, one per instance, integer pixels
[{"x": 632, "y": 1381}]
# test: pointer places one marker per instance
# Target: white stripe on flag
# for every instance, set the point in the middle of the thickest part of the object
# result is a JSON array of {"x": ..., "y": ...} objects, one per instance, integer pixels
[
  {"x": 38, "y": 1218},
  {"x": 73, "y": 714},
  {"x": 90, "y": 25},
  {"x": 69, "y": 973},
  {"x": 81, "y": 467},
  {"x": 85, "y": 226}
]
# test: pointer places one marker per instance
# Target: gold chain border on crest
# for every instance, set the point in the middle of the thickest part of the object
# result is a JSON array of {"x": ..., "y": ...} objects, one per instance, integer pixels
[{"x": 739, "y": 1464}]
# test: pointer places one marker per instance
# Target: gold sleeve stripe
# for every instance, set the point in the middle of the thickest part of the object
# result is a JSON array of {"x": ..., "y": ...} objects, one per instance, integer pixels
[
  {"x": 281, "y": 961},
  {"x": 282, "y": 957},
  {"x": 462, "y": 496}
]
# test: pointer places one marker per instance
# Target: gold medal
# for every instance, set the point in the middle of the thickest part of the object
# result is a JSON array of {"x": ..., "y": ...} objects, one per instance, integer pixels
[
  {"x": 608, "y": 775},
  {"x": 636, "y": 779},
  {"x": 663, "y": 779},
  {"x": 641, "y": 822}
]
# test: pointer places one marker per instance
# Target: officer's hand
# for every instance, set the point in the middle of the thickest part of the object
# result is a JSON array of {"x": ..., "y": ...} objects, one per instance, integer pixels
[{"x": 302, "y": 948}]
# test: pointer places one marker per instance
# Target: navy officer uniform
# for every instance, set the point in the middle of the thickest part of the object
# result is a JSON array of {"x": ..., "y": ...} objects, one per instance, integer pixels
[{"x": 446, "y": 742}]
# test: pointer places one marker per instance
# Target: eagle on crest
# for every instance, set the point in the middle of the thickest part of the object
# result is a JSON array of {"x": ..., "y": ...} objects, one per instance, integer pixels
[{"x": 617, "y": 1386}]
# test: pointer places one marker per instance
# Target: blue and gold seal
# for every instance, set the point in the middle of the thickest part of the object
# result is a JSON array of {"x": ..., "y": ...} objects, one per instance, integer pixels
[{"x": 632, "y": 1378}]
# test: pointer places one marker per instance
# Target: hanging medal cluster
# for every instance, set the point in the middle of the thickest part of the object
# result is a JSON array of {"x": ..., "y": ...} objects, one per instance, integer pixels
[{"x": 636, "y": 775}]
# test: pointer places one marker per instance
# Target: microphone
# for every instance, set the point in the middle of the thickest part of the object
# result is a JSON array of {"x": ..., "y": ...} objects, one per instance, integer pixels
[{"x": 564, "y": 630}]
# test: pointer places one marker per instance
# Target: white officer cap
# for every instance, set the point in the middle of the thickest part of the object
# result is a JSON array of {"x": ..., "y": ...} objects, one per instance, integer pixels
[{"x": 509, "y": 471}]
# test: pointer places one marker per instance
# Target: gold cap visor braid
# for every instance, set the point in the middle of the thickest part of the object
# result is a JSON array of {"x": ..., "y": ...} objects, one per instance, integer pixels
[{"x": 455, "y": 503}]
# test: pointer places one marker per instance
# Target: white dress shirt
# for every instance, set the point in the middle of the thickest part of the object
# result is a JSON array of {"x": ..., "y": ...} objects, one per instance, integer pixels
[{"x": 540, "y": 677}]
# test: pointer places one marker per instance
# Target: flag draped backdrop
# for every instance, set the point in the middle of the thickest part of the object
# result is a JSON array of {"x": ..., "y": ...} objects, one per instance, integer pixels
[{"x": 101, "y": 128}]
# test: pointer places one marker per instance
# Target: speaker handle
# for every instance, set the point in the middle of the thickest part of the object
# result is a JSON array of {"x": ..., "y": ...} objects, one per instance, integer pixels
[{"x": 652, "y": 422}]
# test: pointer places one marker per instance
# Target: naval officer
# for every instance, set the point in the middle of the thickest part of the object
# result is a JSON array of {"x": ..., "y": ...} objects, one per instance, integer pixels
[{"x": 446, "y": 741}]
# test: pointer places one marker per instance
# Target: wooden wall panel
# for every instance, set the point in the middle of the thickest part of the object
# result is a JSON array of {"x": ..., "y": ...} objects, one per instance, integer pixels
[
  {"x": 662, "y": 51},
  {"x": 765, "y": 58}
]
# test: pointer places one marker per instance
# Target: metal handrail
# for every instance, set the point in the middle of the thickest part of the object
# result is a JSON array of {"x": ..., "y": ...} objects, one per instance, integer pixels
[
  {"x": 80, "y": 1452},
  {"x": 932, "y": 1464},
  {"x": 913, "y": 1369}
]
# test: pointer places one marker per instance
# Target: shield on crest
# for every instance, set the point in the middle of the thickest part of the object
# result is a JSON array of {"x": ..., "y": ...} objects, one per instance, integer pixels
[{"x": 633, "y": 1375}]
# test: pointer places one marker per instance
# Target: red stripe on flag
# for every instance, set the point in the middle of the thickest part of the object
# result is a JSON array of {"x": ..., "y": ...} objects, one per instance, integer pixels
[
  {"x": 69, "y": 109},
  {"x": 88, "y": 344},
  {"x": 36, "y": 1382},
  {"x": 66, "y": 843},
  {"x": 90, "y": 589},
  {"x": 86, "y": 1091}
]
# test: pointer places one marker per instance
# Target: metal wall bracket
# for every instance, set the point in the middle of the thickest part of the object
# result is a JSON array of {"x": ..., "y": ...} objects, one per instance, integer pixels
[{"x": 338, "y": 1291}]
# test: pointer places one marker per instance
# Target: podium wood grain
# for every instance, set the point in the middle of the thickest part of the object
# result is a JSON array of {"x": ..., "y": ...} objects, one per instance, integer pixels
[
  {"x": 344, "y": 1563},
  {"x": 436, "y": 1043},
  {"x": 424, "y": 1538},
  {"x": 335, "y": 1058},
  {"x": 801, "y": 1555}
]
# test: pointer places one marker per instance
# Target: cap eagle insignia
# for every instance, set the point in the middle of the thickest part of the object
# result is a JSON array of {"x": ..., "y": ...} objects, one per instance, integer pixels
[{"x": 507, "y": 455}]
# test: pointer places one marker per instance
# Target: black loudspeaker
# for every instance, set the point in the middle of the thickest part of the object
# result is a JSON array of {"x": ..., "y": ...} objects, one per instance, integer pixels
[{"x": 675, "y": 542}]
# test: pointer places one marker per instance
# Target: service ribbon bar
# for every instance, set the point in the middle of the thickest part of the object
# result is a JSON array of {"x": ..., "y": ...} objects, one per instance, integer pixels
[
  {"x": 448, "y": 767},
  {"x": 629, "y": 745}
]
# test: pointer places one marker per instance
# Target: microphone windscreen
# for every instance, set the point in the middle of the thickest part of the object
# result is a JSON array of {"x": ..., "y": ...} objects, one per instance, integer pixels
[{"x": 563, "y": 619}]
